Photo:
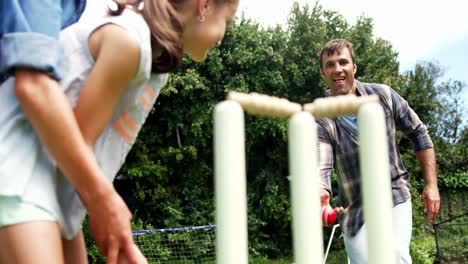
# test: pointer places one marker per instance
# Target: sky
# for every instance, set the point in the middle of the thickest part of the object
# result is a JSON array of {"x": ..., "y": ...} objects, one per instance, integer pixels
[{"x": 419, "y": 30}]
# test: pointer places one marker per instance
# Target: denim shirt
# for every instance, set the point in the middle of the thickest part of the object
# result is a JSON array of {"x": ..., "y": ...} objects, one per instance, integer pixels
[{"x": 29, "y": 31}]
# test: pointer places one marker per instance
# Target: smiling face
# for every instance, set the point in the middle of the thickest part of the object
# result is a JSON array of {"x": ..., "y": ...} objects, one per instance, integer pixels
[
  {"x": 200, "y": 35},
  {"x": 338, "y": 70}
]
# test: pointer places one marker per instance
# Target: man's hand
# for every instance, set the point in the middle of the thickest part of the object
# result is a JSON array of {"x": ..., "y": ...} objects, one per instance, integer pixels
[
  {"x": 325, "y": 201},
  {"x": 109, "y": 221},
  {"x": 431, "y": 201}
]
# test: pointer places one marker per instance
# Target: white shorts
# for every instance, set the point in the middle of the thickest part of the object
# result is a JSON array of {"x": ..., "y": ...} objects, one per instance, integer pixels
[
  {"x": 14, "y": 211},
  {"x": 356, "y": 246}
]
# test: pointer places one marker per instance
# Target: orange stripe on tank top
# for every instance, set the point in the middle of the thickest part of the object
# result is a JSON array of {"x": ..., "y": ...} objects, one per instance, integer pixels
[
  {"x": 150, "y": 92},
  {"x": 122, "y": 131},
  {"x": 129, "y": 122},
  {"x": 145, "y": 104}
]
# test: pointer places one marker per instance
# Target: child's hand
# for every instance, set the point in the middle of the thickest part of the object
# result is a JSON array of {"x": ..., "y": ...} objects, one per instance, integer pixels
[
  {"x": 109, "y": 223},
  {"x": 140, "y": 258}
]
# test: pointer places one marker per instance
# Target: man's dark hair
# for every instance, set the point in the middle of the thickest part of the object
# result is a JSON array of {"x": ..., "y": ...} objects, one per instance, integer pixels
[{"x": 336, "y": 45}]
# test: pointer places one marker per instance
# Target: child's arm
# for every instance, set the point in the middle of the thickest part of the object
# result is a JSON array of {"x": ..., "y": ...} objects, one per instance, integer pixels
[
  {"x": 31, "y": 51},
  {"x": 117, "y": 57},
  {"x": 51, "y": 116}
]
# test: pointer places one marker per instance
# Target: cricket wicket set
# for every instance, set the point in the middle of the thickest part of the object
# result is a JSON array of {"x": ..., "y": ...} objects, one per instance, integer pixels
[{"x": 230, "y": 173}]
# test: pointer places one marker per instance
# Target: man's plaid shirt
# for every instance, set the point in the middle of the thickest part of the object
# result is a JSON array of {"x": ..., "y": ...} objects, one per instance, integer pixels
[{"x": 338, "y": 146}]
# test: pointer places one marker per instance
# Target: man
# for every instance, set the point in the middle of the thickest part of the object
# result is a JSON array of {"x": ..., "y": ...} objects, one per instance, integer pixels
[
  {"x": 339, "y": 149},
  {"x": 30, "y": 52}
]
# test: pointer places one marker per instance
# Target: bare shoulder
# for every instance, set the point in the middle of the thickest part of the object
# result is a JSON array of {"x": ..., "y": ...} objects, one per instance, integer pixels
[
  {"x": 114, "y": 41},
  {"x": 114, "y": 47}
]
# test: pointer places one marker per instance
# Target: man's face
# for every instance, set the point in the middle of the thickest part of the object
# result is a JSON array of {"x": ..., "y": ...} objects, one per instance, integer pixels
[{"x": 338, "y": 72}]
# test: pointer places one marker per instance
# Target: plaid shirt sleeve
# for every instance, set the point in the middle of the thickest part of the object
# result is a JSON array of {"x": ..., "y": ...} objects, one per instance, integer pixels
[
  {"x": 409, "y": 123},
  {"x": 325, "y": 149}
]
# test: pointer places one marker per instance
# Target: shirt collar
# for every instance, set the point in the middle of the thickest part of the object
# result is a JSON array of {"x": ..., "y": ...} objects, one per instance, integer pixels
[{"x": 359, "y": 88}]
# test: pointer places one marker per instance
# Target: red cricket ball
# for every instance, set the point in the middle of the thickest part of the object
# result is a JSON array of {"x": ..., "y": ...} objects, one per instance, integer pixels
[{"x": 328, "y": 216}]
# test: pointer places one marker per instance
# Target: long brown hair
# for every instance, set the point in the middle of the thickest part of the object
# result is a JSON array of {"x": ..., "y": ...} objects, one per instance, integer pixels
[
  {"x": 162, "y": 17},
  {"x": 166, "y": 30}
]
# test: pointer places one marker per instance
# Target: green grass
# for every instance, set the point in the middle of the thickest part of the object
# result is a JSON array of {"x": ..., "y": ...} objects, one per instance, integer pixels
[{"x": 334, "y": 257}]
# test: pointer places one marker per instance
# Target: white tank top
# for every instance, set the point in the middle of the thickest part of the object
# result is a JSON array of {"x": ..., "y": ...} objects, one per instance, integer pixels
[{"x": 27, "y": 171}]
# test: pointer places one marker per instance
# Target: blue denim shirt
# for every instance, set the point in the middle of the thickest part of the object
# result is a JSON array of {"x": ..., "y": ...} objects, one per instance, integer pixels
[{"x": 29, "y": 31}]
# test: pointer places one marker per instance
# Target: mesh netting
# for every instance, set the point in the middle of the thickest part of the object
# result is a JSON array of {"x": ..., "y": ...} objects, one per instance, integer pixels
[
  {"x": 452, "y": 240},
  {"x": 188, "y": 245}
]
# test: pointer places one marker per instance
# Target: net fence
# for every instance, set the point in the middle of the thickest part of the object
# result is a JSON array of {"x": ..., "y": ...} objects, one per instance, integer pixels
[
  {"x": 452, "y": 240},
  {"x": 184, "y": 245}
]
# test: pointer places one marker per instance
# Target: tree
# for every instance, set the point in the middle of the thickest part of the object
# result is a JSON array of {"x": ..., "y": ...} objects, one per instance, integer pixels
[{"x": 450, "y": 129}]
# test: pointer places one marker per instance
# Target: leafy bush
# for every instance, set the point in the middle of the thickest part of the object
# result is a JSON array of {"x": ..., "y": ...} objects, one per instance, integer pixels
[
  {"x": 423, "y": 249},
  {"x": 456, "y": 179}
]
